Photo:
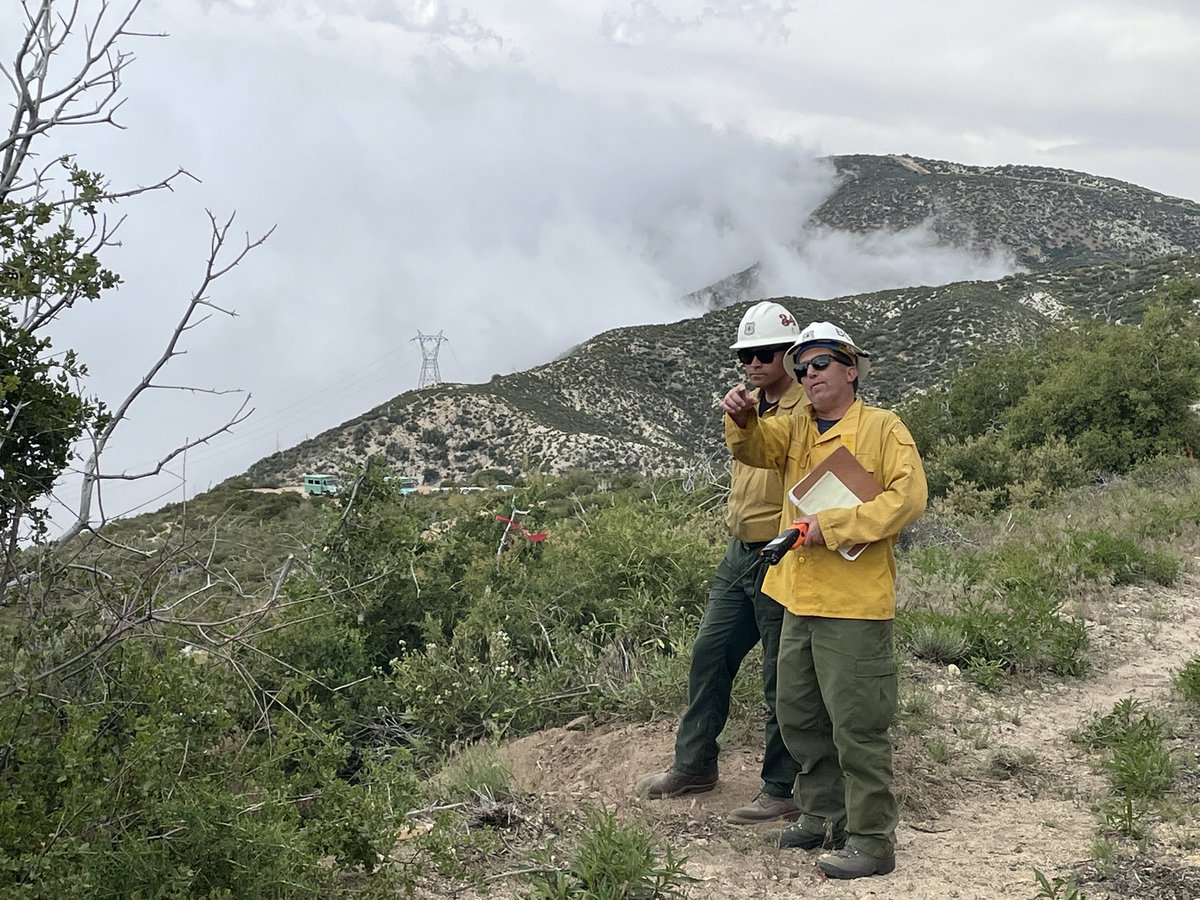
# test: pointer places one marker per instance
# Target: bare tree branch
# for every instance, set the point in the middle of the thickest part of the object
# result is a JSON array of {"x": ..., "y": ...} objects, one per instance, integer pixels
[
  {"x": 68, "y": 70},
  {"x": 215, "y": 268},
  {"x": 86, "y": 95}
]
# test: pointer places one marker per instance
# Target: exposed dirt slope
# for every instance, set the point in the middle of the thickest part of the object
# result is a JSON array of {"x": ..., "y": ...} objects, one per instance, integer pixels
[{"x": 971, "y": 828}]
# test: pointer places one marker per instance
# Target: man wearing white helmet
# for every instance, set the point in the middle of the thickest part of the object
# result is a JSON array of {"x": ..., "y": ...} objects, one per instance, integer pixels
[
  {"x": 837, "y": 674},
  {"x": 739, "y": 615}
]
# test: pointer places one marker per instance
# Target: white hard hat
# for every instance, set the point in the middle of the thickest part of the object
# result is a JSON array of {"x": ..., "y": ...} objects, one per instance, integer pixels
[
  {"x": 826, "y": 334},
  {"x": 764, "y": 324}
]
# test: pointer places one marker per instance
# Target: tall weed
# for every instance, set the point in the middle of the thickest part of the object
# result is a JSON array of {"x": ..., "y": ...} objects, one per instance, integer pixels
[
  {"x": 1140, "y": 767},
  {"x": 613, "y": 861},
  {"x": 1187, "y": 683}
]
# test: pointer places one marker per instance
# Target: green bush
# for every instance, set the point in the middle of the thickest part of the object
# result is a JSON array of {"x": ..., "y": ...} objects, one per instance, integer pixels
[
  {"x": 1006, "y": 617},
  {"x": 1138, "y": 763},
  {"x": 614, "y": 862},
  {"x": 599, "y": 616},
  {"x": 159, "y": 781},
  {"x": 1187, "y": 682},
  {"x": 1116, "y": 557},
  {"x": 1021, "y": 425},
  {"x": 1129, "y": 722},
  {"x": 1143, "y": 770}
]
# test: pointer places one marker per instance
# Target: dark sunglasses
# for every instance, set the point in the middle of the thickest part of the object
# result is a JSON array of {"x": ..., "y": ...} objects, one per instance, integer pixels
[
  {"x": 820, "y": 363},
  {"x": 764, "y": 355}
]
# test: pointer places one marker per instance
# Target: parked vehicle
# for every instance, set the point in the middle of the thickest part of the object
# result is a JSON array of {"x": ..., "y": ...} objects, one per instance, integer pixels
[{"x": 320, "y": 485}]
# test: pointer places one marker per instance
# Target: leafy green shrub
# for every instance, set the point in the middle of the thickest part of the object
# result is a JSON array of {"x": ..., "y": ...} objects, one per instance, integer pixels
[
  {"x": 1021, "y": 425},
  {"x": 1041, "y": 472},
  {"x": 989, "y": 674},
  {"x": 599, "y": 614},
  {"x": 613, "y": 862},
  {"x": 1129, "y": 722},
  {"x": 1142, "y": 769},
  {"x": 1187, "y": 682},
  {"x": 1121, "y": 559},
  {"x": 1007, "y": 616},
  {"x": 158, "y": 781},
  {"x": 975, "y": 464},
  {"x": 468, "y": 690},
  {"x": 1116, "y": 415},
  {"x": 1138, "y": 764}
]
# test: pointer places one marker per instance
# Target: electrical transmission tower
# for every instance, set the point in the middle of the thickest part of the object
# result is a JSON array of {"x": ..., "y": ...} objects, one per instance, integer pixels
[{"x": 430, "y": 344}]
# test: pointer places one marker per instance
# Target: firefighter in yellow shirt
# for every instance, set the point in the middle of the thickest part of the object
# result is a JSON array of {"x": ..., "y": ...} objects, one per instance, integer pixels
[{"x": 836, "y": 693}]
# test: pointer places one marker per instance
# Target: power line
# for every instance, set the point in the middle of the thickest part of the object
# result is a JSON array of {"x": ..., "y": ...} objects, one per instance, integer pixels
[{"x": 311, "y": 406}]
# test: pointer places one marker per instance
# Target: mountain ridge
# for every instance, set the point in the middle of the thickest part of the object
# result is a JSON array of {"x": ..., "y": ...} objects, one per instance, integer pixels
[
  {"x": 644, "y": 398},
  {"x": 1044, "y": 218}
]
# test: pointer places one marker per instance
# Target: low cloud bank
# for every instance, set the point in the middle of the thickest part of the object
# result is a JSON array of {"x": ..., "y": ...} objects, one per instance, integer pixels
[{"x": 513, "y": 215}]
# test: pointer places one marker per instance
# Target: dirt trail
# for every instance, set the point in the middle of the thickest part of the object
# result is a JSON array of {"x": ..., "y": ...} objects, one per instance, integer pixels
[{"x": 985, "y": 847}]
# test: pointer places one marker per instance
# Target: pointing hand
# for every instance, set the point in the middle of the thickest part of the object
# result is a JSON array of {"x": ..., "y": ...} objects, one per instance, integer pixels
[{"x": 738, "y": 403}]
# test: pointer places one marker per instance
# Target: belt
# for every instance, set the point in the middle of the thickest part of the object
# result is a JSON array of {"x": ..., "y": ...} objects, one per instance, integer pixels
[{"x": 753, "y": 545}]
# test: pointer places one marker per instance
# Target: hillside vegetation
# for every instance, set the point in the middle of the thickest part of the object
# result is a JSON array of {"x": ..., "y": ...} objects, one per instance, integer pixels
[
  {"x": 644, "y": 399},
  {"x": 322, "y": 701},
  {"x": 381, "y": 693}
]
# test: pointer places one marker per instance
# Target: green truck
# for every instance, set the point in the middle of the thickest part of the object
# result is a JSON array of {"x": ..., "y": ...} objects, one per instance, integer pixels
[{"x": 321, "y": 485}]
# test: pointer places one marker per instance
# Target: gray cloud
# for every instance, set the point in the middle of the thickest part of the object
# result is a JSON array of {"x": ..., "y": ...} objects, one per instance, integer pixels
[
  {"x": 833, "y": 263},
  {"x": 955, "y": 81},
  {"x": 655, "y": 20},
  {"x": 428, "y": 17},
  {"x": 520, "y": 181}
]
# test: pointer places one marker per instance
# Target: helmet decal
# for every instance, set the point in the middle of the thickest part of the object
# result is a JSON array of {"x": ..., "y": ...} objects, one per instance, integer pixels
[
  {"x": 786, "y": 321},
  {"x": 749, "y": 328}
]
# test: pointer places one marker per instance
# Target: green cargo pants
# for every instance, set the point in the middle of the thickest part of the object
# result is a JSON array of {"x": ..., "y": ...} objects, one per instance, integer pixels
[
  {"x": 836, "y": 699},
  {"x": 738, "y": 617}
]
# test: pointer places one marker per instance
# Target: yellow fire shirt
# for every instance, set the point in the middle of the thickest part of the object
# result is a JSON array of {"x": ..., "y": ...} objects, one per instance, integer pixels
[{"x": 819, "y": 581}]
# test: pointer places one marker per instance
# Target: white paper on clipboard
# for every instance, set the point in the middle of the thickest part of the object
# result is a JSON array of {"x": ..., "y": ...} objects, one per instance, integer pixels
[{"x": 829, "y": 492}]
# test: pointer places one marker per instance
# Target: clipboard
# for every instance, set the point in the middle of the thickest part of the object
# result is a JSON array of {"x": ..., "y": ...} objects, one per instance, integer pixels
[{"x": 838, "y": 482}]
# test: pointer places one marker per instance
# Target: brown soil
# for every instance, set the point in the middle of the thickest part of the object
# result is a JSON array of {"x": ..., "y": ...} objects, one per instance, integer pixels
[{"x": 1007, "y": 793}]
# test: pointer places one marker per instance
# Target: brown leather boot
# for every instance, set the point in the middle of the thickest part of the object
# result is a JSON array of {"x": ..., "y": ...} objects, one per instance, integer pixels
[{"x": 673, "y": 783}]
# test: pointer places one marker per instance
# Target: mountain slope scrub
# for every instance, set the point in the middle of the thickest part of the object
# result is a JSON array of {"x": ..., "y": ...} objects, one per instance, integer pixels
[
  {"x": 394, "y": 644},
  {"x": 644, "y": 399}
]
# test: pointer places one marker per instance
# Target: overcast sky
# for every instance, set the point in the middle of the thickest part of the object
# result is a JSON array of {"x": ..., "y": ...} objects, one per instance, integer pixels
[{"x": 522, "y": 174}]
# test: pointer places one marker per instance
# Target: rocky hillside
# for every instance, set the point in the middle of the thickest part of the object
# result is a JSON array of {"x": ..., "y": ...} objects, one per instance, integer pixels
[
  {"x": 1046, "y": 218},
  {"x": 645, "y": 398}
]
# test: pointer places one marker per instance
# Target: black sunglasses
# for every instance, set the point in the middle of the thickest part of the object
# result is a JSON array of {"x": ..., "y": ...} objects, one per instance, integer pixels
[
  {"x": 820, "y": 363},
  {"x": 763, "y": 354}
]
